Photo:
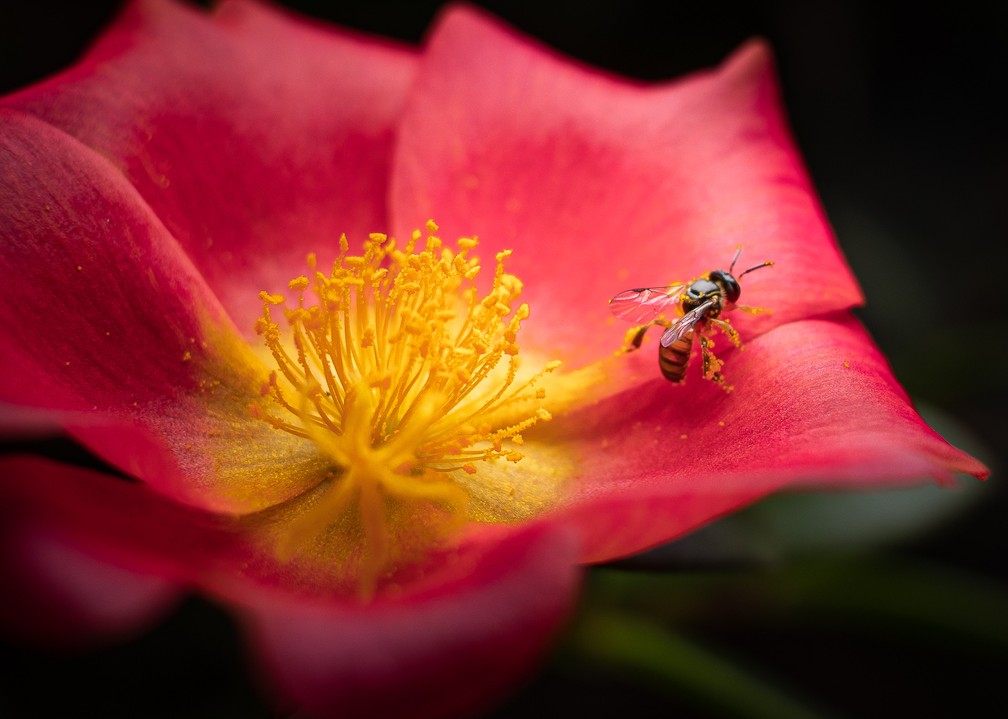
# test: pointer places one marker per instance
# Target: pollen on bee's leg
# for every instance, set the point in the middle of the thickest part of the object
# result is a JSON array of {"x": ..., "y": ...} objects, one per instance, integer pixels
[
  {"x": 405, "y": 377},
  {"x": 754, "y": 310},
  {"x": 711, "y": 364},
  {"x": 634, "y": 337},
  {"x": 726, "y": 327}
]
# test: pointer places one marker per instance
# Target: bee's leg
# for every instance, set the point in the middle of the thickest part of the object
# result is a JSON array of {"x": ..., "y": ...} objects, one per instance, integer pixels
[
  {"x": 633, "y": 342},
  {"x": 726, "y": 327},
  {"x": 711, "y": 364},
  {"x": 753, "y": 310},
  {"x": 635, "y": 335}
]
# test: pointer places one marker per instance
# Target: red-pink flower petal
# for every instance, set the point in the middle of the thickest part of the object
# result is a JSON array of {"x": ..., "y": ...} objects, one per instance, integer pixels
[
  {"x": 254, "y": 137},
  {"x": 455, "y": 632},
  {"x": 119, "y": 522},
  {"x": 600, "y": 185},
  {"x": 814, "y": 403},
  {"x": 111, "y": 327},
  {"x": 89, "y": 555},
  {"x": 479, "y": 625},
  {"x": 60, "y": 594}
]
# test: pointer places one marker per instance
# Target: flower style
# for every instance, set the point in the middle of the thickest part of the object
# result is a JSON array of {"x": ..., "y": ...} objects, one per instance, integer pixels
[{"x": 391, "y": 488}]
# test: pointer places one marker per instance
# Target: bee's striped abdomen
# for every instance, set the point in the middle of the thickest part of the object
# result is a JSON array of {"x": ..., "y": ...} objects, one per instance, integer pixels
[{"x": 672, "y": 360}]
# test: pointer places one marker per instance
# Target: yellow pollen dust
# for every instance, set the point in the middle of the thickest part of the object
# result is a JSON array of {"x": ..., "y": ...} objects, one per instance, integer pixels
[{"x": 403, "y": 374}]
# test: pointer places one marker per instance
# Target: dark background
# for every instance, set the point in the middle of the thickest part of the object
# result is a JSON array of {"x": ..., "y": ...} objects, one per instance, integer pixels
[{"x": 897, "y": 112}]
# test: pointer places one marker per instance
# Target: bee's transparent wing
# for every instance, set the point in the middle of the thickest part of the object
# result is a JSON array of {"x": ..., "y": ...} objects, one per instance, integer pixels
[
  {"x": 684, "y": 324},
  {"x": 644, "y": 304}
]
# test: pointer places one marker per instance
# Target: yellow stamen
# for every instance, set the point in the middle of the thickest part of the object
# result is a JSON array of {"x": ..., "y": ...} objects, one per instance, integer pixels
[{"x": 403, "y": 374}]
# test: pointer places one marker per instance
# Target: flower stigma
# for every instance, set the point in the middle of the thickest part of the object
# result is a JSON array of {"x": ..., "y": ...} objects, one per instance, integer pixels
[{"x": 404, "y": 376}]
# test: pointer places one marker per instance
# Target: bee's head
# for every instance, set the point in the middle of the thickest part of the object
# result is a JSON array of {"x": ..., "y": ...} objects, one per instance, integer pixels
[{"x": 728, "y": 282}]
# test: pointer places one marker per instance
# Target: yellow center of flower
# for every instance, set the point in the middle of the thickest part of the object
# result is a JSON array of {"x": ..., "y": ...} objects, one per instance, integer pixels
[{"x": 404, "y": 375}]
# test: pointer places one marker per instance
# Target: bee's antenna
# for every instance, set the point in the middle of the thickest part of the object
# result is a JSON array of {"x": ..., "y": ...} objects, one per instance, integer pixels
[
  {"x": 768, "y": 263},
  {"x": 735, "y": 259}
]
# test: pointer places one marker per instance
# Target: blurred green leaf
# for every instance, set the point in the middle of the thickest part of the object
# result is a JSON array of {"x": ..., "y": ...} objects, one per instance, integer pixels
[
  {"x": 914, "y": 599},
  {"x": 876, "y": 593},
  {"x": 646, "y": 652}
]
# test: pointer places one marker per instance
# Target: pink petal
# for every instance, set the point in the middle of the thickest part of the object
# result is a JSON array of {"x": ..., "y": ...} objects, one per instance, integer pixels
[
  {"x": 255, "y": 138},
  {"x": 62, "y": 595},
  {"x": 116, "y": 521},
  {"x": 814, "y": 403},
  {"x": 599, "y": 184},
  {"x": 443, "y": 650},
  {"x": 89, "y": 555},
  {"x": 113, "y": 329},
  {"x": 455, "y": 632}
]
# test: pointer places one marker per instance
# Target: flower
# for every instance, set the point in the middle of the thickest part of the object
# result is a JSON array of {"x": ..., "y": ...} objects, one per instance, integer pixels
[{"x": 396, "y": 520}]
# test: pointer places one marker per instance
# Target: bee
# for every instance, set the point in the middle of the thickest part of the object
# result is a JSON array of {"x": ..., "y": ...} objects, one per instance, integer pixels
[{"x": 700, "y": 304}]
